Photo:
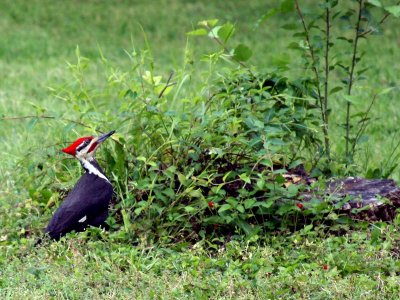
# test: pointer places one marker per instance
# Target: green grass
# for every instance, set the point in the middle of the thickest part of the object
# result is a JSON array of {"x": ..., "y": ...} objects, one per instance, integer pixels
[
  {"x": 289, "y": 267},
  {"x": 39, "y": 37}
]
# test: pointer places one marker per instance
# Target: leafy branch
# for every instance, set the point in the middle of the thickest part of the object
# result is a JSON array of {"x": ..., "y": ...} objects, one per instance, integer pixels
[
  {"x": 322, "y": 99},
  {"x": 363, "y": 123},
  {"x": 351, "y": 74},
  {"x": 315, "y": 53},
  {"x": 221, "y": 34},
  {"x": 385, "y": 16},
  {"x": 358, "y": 33}
]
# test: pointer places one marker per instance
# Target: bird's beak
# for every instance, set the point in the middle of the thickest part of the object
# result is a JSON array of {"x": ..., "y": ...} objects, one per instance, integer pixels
[{"x": 103, "y": 137}]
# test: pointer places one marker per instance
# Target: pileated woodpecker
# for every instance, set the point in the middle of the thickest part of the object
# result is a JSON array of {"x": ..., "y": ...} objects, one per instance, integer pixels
[{"x": 87, "y": 203}]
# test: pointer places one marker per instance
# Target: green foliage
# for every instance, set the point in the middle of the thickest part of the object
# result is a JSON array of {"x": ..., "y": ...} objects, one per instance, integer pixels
[
  {"x": 330, "y": 38},
  {"x": 215, "y": 166},
  {"x": 222, "y": 34}
]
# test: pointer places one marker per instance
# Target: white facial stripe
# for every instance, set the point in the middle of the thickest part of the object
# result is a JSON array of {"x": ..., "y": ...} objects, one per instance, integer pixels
[
  {"x": 91, "y": 169},
  {"x": 83, "y": 154},
  {"x": 83, "y": 145},
  {"x": 80, "y": 145}
]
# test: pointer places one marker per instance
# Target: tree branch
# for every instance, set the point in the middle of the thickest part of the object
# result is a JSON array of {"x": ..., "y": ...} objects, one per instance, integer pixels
[
  {"x": 385, "y": 16},
  {"x": 326, "y": 85},
  {"x": 168, "y": 84},
  {"x": 364, "y": 123},
  {"x": 47, "y": 117},
  {"x": 317, "y": 76},
  {"x": 351, "y": 74}
]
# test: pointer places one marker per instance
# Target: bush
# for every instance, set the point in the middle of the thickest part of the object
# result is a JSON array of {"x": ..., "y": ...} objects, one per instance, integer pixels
[{"x": 213, "y": 165}]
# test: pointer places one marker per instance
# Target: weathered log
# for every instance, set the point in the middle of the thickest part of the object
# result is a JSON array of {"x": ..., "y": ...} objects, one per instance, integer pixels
[
  {"x": 369, "y": 199},
  {"x": 362, "y": 199}
]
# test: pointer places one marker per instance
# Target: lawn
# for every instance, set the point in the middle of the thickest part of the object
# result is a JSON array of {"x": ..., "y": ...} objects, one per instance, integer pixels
[{"x": 38, "y": 65}]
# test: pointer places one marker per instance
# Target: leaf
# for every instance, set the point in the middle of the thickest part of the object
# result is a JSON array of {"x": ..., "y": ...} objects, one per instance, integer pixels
[
  {"x": 196, "y": 193},
  {"x": 245, "y": 178},
  {"x": 343, "y": 38},
  {"x": 214, "y": 220},
  {"x": 307, "y": 228},
  {"x": 362, "y": 71},
  {"x": 280, "y": 179},
  {"x": 232, "y": 201},
  {"x": 198, "y": 32},
  {"x": 161, "y": 88},
  {"x": 242, "y": 53},
  {"x": 294, "y": 46},
  {"x": 214, "y": 32},
  {"x": 254, "y": 123},
  {"x": 376, "y": 3},
  {"x": 289, "y": 26},
  {"x": 267, "y": 204},
  {"x": 142, "y": 158},
  {"x": 393, "y": 10},
  {"x": 295, "y": 163},
  {"x": 277, "y": 142},
  {"x": 272, "y": 12},
  {"x": 132, "y": 94},
  {"x": 224, "y": 207},
  {"x": 147, "y": 76},
  {"x": 208, "y": 23},
  {"x": 138, "y": 210},
  {"x": 292, "y": 190},
  {"x": 267, "y": 162},
  {"x": 249, "y": 203},
  {"x": 240, "y": 208},
  {"x": 190, "y": 209},
  {"x": 226, "y": 176},
  {"x": 226, "y": 31},
  {"x": 350, "y": 99},
  {"x": 335, "y": 90},
  {"x": 246, "y": 227},
  {"x": 157, "y": 80},
  {"x": 182, "y": 179},
  {"x": 385, "y": 91}
]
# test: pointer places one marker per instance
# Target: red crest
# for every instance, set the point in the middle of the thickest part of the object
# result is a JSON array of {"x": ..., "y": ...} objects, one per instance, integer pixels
[{"x": 71, "y": 149}]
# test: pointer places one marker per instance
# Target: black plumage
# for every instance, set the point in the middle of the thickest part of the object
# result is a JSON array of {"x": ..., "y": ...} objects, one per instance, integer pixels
[{"x": 85, "y": 205}]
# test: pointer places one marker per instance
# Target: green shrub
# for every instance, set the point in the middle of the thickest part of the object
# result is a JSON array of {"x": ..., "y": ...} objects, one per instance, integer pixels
[{"x": 212, "y": 165}]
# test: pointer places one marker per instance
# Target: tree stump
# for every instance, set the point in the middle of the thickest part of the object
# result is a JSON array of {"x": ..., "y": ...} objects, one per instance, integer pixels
[{"x": 370, "y": 199}]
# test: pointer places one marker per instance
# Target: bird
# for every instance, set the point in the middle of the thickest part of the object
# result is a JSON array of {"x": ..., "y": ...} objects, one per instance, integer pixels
[{"x": 87, "y": 203}]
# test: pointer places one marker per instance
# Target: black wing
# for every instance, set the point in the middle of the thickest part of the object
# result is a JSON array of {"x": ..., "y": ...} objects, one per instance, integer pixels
[{"x": 88, "y": 200}]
